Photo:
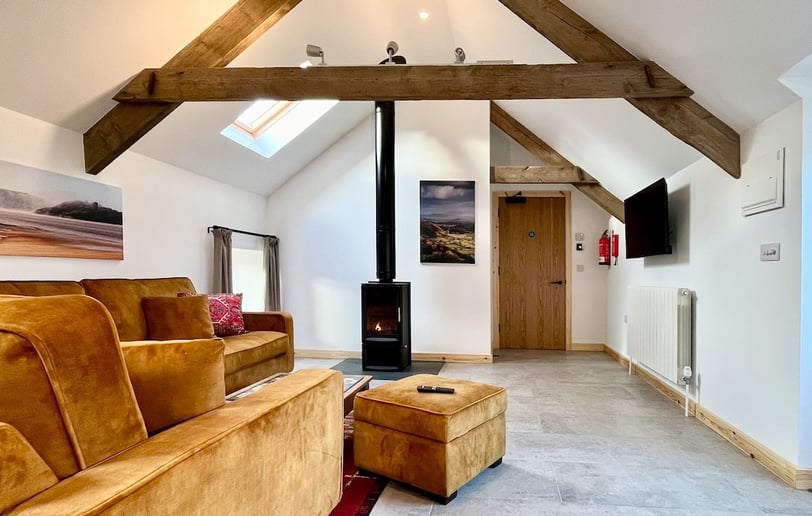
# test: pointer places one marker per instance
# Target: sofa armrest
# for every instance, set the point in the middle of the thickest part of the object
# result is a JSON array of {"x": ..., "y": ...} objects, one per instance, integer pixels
[
  {"x": 23, "y": 471},
  {"x": 175, "y": 380},
  {"x": 269, "y": 321}
]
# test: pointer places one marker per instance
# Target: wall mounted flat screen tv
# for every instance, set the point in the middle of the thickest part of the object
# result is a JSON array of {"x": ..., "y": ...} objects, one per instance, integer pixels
[{"x": 647, "y": 232}]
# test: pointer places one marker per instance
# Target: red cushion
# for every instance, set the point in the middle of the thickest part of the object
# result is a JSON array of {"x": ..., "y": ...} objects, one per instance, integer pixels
[{"x": 226, "y": 313}]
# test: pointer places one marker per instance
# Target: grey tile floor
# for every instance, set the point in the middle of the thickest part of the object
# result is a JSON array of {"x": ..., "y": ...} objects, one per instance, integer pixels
[{"x": 583, "y": 437}]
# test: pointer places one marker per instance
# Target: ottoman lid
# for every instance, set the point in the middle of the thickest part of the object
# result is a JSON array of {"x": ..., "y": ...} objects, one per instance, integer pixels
[{"x": 441, "y": 417}]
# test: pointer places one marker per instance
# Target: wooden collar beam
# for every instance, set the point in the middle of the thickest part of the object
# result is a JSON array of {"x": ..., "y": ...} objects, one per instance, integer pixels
[
  {"x": 541, "y": 174},
  {"x": 682, "y": 117},
  {"x": 402, "y": 82},
  {"x": 554, "y": 162}
]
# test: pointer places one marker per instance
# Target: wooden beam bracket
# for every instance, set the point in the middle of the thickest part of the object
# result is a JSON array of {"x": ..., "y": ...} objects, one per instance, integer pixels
[
  {"x": 151, "y": 84},
  {"x": 649, "y": 76}
]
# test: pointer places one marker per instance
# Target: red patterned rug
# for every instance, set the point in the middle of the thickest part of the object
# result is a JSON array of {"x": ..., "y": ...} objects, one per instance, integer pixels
[{"x": 360, "y": 491}]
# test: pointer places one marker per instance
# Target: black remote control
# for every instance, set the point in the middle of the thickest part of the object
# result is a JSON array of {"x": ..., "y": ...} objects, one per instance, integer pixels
[{"x": 435, "y": 388}]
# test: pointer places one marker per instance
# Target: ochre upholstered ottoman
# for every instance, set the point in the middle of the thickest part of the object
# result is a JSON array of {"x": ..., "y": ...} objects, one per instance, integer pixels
[{"x": 434, "y": 442}]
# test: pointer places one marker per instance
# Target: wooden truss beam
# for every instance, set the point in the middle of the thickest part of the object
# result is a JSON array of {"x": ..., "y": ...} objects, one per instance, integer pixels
[
  {"x": 534, "y": 145},
  {"x": 541, "y": 174},
  {"x": 682, "y": 117},
  {"x": 444, "y": 82},
  {"x": 217, "y": 46}
]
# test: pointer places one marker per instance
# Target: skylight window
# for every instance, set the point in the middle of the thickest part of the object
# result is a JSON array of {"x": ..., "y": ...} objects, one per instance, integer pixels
[{"x": 268, "y": 125}]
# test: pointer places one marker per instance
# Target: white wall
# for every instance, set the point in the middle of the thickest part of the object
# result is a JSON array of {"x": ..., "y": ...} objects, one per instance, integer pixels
[
  {"x": 166, "y": 209},
  {"x": 747, "y": 321},
  {"x": 325, "y": 218},
  {"x": 505, "y": 151}
]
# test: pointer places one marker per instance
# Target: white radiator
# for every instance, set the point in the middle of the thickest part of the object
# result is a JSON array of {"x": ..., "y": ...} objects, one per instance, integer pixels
[{"x": 660, "y": 328}]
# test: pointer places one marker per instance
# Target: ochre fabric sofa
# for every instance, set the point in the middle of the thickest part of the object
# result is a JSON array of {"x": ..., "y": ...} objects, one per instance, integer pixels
[
  {"x": 74, "y": 437},
  {"x": 266, "y": 349}
]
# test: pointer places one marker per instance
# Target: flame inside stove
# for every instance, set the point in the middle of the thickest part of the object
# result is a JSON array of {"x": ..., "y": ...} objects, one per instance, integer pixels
[{"x": 378, "y": 326}]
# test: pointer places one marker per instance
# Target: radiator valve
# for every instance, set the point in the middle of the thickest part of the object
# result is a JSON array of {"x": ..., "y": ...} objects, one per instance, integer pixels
[{"x": 686, "y": 374}]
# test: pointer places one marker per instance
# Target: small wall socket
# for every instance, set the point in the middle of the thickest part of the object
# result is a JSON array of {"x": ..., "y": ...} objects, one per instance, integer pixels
[{"x": 771, "y": 252}]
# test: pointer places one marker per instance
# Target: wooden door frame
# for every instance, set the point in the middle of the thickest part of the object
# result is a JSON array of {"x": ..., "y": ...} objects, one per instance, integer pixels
[{"x": 567, "y": 195}]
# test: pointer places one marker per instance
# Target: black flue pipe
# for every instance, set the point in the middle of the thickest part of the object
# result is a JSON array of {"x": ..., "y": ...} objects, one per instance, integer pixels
[{"x": 385, "y": 190}]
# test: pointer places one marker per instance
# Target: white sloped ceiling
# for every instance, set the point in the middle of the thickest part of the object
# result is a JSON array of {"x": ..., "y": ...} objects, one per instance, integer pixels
[{"x": 63, "y": 60}]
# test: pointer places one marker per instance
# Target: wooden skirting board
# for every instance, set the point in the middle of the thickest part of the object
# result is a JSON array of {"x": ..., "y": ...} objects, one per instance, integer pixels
[
  {"x": 803, "y": 479},
  {"x": 326, "y": 353},
  {"x": 421, "y": 357},
  {"x": 780, "y": 467},
  {"x": 450, "y": 358},
  {"x": 587, "y": 346}
]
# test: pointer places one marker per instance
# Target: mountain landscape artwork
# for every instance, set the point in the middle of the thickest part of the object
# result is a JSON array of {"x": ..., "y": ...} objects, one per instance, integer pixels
[
  {"x": 48, "y": 214},
  {"x": 447, "y": 215}
]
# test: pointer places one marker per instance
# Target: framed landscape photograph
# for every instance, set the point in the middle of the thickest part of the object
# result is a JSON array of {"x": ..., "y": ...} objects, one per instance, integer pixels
[
  {"x": 447, "y": 215},
  {"x": 47, "y": 214}
]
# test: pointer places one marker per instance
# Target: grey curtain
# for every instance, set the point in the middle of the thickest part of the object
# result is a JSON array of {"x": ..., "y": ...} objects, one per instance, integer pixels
[
  {"x": 221, "y": 277},
  {"x": 271, "y": 261}
]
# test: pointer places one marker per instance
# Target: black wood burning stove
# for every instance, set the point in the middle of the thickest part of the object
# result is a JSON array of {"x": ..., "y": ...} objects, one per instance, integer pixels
[
  {"x": 386, "y": 341},
  {"x": 386, "y": 330}
]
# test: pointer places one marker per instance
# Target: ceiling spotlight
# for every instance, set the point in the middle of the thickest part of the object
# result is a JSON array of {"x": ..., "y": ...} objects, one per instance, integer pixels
[
  {"x": 391, "y": 50},
  {"x": 459, "y": 55},
  {"x": 315, "y": 51},
  {"x": 424, "y": 15}
]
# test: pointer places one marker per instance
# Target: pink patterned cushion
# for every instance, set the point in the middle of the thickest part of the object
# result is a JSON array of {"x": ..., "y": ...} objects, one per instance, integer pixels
[{"x": 226, "y": 313}]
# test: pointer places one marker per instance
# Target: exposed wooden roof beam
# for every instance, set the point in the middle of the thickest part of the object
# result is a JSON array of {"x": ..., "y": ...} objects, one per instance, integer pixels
[
  {"x": 217, "y": 46},
  {"x": 541, "y": 174},
  {"x": 682, "y": 117},
  {"x": 536, "y": 146},
  {"x": 401, "y": 82}
]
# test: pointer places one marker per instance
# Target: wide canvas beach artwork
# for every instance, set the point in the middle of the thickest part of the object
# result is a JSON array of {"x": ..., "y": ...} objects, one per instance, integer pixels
[
  {"x": 47, "y": 214},
  {"x": 447, "y": 214}
]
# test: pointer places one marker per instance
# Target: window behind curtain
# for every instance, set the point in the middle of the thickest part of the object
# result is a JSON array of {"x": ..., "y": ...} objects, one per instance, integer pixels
[{"x": 249, "y": 278}]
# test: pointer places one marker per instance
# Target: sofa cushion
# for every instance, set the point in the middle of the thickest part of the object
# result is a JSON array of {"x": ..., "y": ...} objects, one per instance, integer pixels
[
  {"x": 40, "y": 288},
  {"x": 175, "y": 380},
  {"x": 226, "y": 314},
  {"x": 246, "y": 350},
  {"x": 170, "y": 318},
  {"x": 23, "y": 471},
  {"x": 122, "y": 297}
]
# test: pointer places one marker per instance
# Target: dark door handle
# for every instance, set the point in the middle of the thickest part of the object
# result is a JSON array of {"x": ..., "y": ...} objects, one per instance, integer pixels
[{"x": 559, "y": 282}]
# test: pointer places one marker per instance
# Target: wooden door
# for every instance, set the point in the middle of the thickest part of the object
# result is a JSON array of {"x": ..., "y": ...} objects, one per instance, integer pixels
[{"x": 532, "y": 273}]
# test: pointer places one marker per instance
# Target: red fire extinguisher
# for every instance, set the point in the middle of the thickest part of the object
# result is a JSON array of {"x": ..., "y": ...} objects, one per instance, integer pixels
[
  {"x": 603, "y": 249},
  {"x": 615, "y": 246}
]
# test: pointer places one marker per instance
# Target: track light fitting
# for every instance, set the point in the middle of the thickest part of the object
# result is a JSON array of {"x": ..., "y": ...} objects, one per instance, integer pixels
[{"x": 315, "y": 51}]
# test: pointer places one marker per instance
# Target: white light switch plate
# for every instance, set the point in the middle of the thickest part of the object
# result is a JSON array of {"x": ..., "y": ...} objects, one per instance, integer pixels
[{"x": 771, "y": 252}]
